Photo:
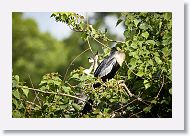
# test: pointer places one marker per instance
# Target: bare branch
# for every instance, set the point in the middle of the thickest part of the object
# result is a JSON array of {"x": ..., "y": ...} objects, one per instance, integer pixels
[
  {"x": 160, "y": 87},
  {"x": 121, "y": 42},
  {"x": 126, "y": 88},
  {"x": 100, "y": 42},
  {"x": 56, "y": 93},
  {"x": 125, "y": 105},
  {"x": 90, "y": 46},
  {"x": 33, "y": 104},
  {"x": 36, "y": 93},
  {"x": 73, "y": 61},
  {"x": 136, "y": 114}
]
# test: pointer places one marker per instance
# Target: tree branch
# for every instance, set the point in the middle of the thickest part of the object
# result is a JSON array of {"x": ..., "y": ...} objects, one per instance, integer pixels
[
  {"x": 56, "y": 93},
  {"x": 89, "y": 46},
  {"x": 125, "y": 105},
  {"x": 160, "y": 88},
  {"x": 33, "y": 104},
  {"x": 121, "y": 42},
  {"x": 100, "y": 42},
  {"x": 73, "y": 61}
]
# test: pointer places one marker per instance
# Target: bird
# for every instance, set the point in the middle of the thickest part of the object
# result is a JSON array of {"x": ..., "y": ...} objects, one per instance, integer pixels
[
  {"x": 105, "y": 70},
  {"x": 109, "y": 66},
  {"x": 87, "y": 107},
  {"x": 88, "y": 71},
  {"x": 94, "y": 64}
]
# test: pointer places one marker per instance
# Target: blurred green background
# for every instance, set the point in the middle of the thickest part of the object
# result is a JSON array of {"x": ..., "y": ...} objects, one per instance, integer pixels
[{"x": 39, "y": 47}]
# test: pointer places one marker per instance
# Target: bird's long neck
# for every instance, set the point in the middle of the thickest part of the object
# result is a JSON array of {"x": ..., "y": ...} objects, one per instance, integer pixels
[
  {"x": 120, "y": 57},
  {"x": 91, "y": 67},
  {"x": 88, "y": 71},
  {"x": 95, "y": 64}
]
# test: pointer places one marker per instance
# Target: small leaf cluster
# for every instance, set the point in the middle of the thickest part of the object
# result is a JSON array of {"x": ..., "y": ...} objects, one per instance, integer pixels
[
  {"x": 51, "y": 99},
  {"x": 77, "y": 23}
]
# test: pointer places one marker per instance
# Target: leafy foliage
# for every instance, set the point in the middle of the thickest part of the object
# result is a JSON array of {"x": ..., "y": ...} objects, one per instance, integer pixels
[{"x": 146, "y": 73}]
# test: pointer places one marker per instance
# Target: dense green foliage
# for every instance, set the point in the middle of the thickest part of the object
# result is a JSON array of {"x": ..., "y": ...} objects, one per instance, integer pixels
[{"x": 146, "y": 71}]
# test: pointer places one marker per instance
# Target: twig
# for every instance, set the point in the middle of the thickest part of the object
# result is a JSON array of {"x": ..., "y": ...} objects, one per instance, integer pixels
[
  {"x": 135, "y": 114},
  {"x": 100, "y": 42},
  {"x": 36, "y": 94},
  {"x": 56, "y": 93},
  {"x": 90, "y": 46},
  {"x": 121, "y": 83},
  {"x": 87, "y": 37},
  {"x": 71, "y": 85},
  {"x": 115, "y": 41},
  {"x": 33, "y": 104},
  {"x": 126, "y": 88},
  {"x": 75, "y": 30},
  {"x": 125, "y": 105},
  {"x": 160, "y": 87},
  {"x": 73, "y": 61}
]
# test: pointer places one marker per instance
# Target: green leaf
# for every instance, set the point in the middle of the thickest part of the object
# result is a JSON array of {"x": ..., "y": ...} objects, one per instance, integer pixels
[
  {"x": 133, "y": 62},
  {"x": 165, "y": 51},
  {"x": 151, "y": 42},
  {"x": 83, "y": 77},
  {"x": 156, "y": 54},
  {"x": 16, "y": 94},
  {"x": 76, "y": 106},
  {"x": 17, "y": 78},
  {"x": 147, "y": 84},
  {"x": 66, "y": 89},
  {"x": 16, "y": 114},
  {"x": 118, "y": 22},
  {"x": 21, "y": 106},
  {"x": 134, "y": 45},
  {"x": 147, "y": 109},
  {"x": 127, "y": 34},
  {"x": 58, "y": 83},
  {"x": 84, "y": 36},
  {"x": 145, "y": 34},
  {"x": 170, "y": 90},
  {"x": 25, "y": 90},
  {"x": 140, "y": 73},
  {"x": 158, "y": 60},
  {"x": 151, "y": 62},
  {"x": 75, "y": 76},
  {"x": 143, "y": 26},
  {"x": 14, "y": 83},
  {"x": 154, "y": 101},
  {"x": 67, "y": 116},
  {"x": 167, "y": 16},
  {"x": 15, "y": 102},
  {"x": 136, "y": 21}
]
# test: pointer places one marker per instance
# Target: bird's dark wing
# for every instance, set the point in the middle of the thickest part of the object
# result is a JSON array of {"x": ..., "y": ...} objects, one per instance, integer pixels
[
  {"x": 100, "y": 66},
  {"x": 105, "y": 67}
]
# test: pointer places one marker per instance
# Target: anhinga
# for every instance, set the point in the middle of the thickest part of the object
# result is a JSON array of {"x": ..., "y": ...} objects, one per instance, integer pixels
[
  {"x": 106, "y": 70},
  {"x": 94, "y": 63},
  {"x": 109, "y": 66}
]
